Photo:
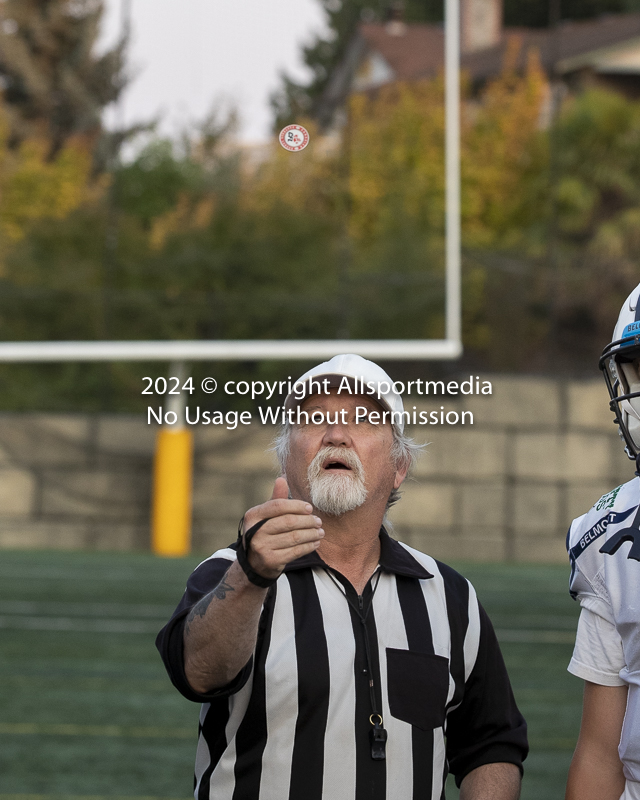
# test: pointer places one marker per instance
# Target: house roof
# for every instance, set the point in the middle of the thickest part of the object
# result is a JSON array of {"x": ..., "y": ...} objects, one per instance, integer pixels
[
  {"x": 384, "y": 52},
  {"x": 419, "y": 50}
]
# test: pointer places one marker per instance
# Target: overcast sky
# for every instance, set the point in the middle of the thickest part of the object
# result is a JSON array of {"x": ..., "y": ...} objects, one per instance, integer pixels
[{"x": 187, "y": 55}]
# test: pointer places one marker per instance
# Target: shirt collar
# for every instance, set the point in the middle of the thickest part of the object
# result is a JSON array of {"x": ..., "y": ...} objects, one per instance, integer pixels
[{"x": 394, "y": 558}]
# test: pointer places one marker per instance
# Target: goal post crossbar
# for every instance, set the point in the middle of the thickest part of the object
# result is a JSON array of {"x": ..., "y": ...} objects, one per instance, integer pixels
[{"x": 248, "y": 350}]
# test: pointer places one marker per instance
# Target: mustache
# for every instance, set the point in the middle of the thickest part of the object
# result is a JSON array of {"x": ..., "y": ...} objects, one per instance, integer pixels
[{"x": 344, "y": 454}]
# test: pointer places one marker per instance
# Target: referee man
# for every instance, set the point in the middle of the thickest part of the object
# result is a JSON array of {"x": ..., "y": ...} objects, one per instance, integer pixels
[{"x": 333, "y": 662}]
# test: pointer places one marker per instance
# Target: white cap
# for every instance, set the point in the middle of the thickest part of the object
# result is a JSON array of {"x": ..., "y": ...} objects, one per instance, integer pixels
[{"x": 359, "y": 372}]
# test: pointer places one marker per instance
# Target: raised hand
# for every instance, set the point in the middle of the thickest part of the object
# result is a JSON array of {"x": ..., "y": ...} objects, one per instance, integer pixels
[{"x": 291, "y": 531}]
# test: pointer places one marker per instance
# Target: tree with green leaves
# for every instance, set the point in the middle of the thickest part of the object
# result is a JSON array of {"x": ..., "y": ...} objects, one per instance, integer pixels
[
  {"x": 54, "y": 83},
  {"x": 213, "y": 245}
]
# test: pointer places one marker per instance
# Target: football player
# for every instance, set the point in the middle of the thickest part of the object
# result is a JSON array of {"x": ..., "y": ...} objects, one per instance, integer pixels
[{"x": 604, "y": 549}]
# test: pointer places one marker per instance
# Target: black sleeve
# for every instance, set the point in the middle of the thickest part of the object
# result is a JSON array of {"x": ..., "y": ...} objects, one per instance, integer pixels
[
  {"x": 170, "y": 639},
  {"x": 487, "y": 726}
]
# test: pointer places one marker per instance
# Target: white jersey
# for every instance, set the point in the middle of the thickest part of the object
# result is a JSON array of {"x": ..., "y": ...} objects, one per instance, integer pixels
[{"x": 607, "y": 584}]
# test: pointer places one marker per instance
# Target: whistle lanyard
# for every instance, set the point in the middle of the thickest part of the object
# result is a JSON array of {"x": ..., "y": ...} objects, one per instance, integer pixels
[{"x": 377, "y": 734}]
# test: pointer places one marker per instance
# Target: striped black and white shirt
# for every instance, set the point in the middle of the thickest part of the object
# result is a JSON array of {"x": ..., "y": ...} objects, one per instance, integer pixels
[{"x": 295, "y": 722}]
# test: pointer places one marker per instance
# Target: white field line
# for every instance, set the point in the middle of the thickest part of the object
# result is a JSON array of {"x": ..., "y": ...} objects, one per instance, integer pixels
[
  {"x": 22, "y": 623},
  {"x": 84, "y": 797},
  {"x": 81, "y": 574},
  {"x": 119, "y": 731},
  {"x": 44, "y": 608},
  {"x": 114, "y": 610},
  {"x": 525, "y": 636},
  {"x": 77, "y": 624}
]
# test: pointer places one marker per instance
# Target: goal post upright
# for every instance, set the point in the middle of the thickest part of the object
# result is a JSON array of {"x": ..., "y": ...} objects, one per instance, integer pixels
[
  {"x": 453, "y": 236},
  {"x": 172, "y": 492}
]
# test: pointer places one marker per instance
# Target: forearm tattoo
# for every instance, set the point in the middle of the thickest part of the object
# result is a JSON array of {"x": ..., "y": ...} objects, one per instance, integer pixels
[
  {"x": 200, "y": 608},
  {"x": 221, "y": 589}
]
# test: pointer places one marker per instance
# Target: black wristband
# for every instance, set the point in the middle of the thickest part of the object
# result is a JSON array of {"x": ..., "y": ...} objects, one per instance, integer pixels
[{"x": 242, "y": 555}]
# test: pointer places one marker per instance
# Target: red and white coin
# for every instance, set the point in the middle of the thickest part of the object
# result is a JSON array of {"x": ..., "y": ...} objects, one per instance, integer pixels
[{"x": 294, "y": 138}]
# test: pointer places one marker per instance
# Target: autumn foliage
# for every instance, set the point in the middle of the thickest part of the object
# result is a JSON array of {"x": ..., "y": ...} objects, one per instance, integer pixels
[
  {"x": 208, "y": 240},
  {"x": 34, "y": 187}
]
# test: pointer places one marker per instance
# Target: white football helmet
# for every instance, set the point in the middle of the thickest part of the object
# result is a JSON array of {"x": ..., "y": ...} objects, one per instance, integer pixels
[{"x": 620, "y": 362}]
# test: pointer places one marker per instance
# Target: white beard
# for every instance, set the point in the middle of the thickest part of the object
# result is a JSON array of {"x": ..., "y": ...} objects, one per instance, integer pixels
[{"x": 336, "y": 491}]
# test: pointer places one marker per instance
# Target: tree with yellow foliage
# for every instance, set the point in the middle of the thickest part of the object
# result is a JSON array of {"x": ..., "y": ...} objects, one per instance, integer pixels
[
  {"x": 396, "y": 180},
  {"x": 397, "y": 156},
  {"x": 32, "y": 187}
]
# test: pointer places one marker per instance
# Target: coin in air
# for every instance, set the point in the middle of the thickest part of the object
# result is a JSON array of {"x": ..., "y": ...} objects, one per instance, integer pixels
[{"x": 294, "y": 138}]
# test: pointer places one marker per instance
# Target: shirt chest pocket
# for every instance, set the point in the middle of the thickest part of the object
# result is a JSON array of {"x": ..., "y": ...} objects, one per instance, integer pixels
[{"x": 418, "y": 685}]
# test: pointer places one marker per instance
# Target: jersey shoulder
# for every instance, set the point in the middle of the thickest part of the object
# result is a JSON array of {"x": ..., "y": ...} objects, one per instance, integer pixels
[
  {"x": 611, "y": 508},
  {"x": 617, "y": 497},
  {"x": 587, "y": 533}
]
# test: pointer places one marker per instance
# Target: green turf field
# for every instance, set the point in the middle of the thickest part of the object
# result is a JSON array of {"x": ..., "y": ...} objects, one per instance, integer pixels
[{"x": 87, "y": 712}]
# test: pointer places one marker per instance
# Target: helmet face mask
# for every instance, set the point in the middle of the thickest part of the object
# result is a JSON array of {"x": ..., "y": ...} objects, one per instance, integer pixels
[{"x": 620, "y": 363}]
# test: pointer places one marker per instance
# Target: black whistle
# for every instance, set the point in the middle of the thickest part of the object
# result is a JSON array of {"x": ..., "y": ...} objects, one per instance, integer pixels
[{"x": 378, "y": 737}]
